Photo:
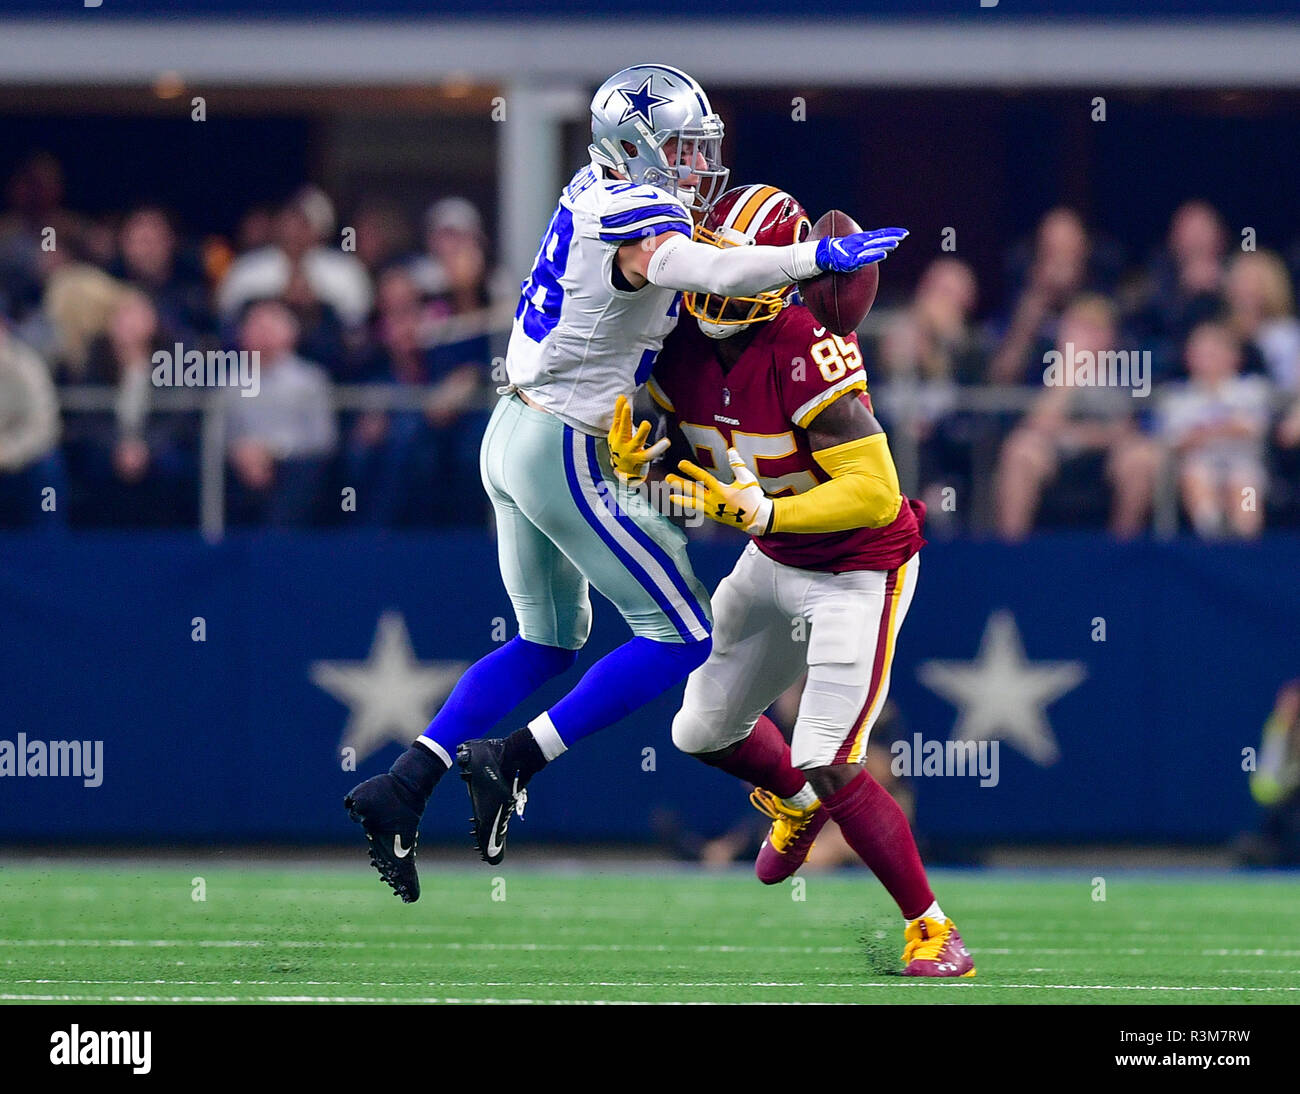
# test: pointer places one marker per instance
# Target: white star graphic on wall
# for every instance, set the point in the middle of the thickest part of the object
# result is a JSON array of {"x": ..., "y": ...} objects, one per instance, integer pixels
[
  {"x": 391, "y": 695},
  {"x": 1003, "y": 695}
]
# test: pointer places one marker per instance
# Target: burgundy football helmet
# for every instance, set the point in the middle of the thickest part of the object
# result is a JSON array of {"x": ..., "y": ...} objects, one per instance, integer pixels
[{"x": 747, "y": 216}]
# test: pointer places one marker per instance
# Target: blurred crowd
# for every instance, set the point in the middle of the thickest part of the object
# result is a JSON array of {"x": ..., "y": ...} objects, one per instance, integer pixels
[
  {"x": 381, "y": 299},
  {"x": 87, "y": 304},
  {"x": 1205, "y": 411}
]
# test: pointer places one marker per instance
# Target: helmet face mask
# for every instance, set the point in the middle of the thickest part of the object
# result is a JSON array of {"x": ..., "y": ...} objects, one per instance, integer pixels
[
  {"x": 723, "y": 316},
  {"x": 745, "y": 217},
  {"x": 638, "y": 113},
  {"x": 693, "y": 146}
]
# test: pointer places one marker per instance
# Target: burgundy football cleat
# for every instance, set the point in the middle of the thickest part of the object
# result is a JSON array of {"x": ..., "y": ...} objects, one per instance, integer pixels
[
  {"x": 935, "y": 949},
  {"x": 789, "y": 839}
]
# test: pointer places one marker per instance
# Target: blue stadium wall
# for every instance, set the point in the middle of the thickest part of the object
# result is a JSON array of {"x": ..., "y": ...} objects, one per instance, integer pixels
[{"x": 229, "y": 739}]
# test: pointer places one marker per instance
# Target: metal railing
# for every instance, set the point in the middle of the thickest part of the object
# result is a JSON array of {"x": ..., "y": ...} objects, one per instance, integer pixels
[
  {"x": 211, "y": 404},
  {"x": 901, "y": 405}
]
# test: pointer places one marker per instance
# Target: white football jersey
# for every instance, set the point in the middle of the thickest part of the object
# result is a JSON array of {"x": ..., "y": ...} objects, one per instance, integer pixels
[{"x": 578, "y": 342}]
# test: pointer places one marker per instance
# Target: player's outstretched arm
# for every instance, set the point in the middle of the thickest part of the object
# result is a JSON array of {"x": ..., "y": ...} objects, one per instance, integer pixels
[
  {"x": 862, "y": 492},
  {"x": 673, "y": 261}
]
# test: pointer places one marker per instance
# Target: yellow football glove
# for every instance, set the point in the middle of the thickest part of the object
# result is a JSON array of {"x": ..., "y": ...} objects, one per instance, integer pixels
[
  {"x": 740, "y": 503},
  {"x": 627, "y": 452}
]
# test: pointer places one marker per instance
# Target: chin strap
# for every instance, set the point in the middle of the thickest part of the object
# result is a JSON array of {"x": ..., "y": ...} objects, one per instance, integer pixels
[{"x": 719, "y": 331}]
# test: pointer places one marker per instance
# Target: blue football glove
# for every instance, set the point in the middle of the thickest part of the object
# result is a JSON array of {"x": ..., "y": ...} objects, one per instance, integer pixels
[{"x": 843, "y": 254}]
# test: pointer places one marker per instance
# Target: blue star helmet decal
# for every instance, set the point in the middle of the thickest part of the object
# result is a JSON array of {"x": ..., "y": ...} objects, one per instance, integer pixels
[{"x": 641, "y": 102}]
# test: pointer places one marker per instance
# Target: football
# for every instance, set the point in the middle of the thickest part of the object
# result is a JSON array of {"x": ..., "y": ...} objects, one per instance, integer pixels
[{"x": 840, "y": 301}]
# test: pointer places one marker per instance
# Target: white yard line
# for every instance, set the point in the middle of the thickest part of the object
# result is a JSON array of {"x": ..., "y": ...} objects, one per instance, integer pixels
[
  {"x": 219, "y": 943},
  {"x": 587, "y": 947},
  {"x": 895, "y": 982},
  {"x": 452, "y": 983},
  {"x": 375, "y": 999}
]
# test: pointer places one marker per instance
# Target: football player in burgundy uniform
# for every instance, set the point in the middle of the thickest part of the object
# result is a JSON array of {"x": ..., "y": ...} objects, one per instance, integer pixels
[
  {"x": 776, "y": 411},
  {"x": 593, "y": 312}
]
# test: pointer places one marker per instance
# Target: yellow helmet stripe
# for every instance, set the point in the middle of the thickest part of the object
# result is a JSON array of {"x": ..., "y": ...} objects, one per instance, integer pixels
[{"x": 751, "y": 207}]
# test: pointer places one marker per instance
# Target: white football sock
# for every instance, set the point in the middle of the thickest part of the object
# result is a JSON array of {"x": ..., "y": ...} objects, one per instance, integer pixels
[
  {"x": 805, "y": 798},
  {"x": 430, "y": 745},
  {"x": 547, "y": 737},
  {"x": 932, "y": 912}
]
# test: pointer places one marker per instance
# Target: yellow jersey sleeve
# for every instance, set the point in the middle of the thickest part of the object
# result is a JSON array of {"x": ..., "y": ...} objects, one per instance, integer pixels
[{"x": 862, "y": 492}]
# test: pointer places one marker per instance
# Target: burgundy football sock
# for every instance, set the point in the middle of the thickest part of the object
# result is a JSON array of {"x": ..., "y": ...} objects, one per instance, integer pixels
[
  {"x": 874, "y": 826},
  {"x": 763, "y": 759}
]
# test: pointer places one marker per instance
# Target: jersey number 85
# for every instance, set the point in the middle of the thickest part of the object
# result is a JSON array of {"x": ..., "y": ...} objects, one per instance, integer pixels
[
  {"x": 835, "y": 357},
  {"x": 753, "y": 448}
]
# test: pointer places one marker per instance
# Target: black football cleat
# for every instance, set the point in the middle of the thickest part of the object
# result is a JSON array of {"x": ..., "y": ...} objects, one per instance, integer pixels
[
  {"x": 493, "y": 796},
  {"x": 391, "y": 825}
]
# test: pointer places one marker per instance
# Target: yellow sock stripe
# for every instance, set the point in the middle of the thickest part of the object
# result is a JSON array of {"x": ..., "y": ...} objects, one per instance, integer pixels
[{"x": 859, "y": 736}]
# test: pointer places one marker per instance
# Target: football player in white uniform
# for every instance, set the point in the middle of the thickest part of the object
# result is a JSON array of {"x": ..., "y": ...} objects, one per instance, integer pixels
[{"x": 593, "y": 312}]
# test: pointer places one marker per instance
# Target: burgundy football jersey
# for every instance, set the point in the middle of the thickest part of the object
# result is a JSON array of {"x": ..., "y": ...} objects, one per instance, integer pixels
[{"x": 789, "y": 372}]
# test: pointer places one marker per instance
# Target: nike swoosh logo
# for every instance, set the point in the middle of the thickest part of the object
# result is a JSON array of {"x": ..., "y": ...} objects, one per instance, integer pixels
[
  {"x": 493, "y": 847},
  {"x": 840, "y": 247},
  {"x": 818, "y": 331},
  {"x": 398, "y": 849}
]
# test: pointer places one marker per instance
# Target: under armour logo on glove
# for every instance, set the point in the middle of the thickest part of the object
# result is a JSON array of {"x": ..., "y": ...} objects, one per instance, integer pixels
[{"x": 727, "y": 503}]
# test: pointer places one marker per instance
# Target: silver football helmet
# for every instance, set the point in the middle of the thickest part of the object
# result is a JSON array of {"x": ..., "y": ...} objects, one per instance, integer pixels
[{"x": 638, "y": 111}]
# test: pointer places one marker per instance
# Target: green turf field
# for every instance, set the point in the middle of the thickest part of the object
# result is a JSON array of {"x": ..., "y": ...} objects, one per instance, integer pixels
[{"x": 133, "y": 933}]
